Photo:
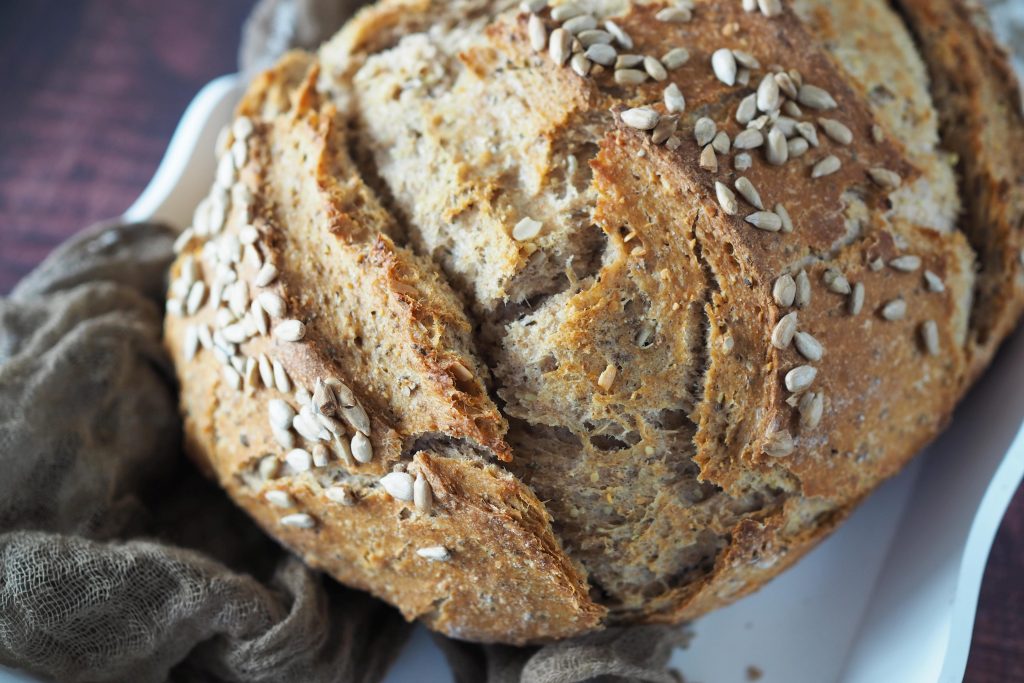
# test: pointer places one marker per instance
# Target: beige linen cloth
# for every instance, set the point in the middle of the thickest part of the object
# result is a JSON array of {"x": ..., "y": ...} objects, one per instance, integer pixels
[{"x": 118, "y": 561}]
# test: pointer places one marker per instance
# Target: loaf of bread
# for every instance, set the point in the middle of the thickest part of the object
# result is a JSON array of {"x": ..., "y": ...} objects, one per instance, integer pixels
[{"x": 533, "y": 319}]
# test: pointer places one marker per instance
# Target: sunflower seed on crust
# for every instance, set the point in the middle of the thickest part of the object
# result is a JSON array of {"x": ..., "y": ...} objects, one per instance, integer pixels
[
  {"x": 797, "y": 147},
  {"x": 704, "y": 131},
  {"x": 815, "y": 98},
  {"x": 675, "y": 103},
  {"x": 808, "y": 132},
  {"x": 300, "y": 521},
  {"x": 290, "y": 330},
  {"x": 281, "y": 380},
  {"x": 583, "y": 22},
  {"x": 809, "y": 347},
  {"x": 835, "y": 281},
  {"x": 930, "y": 337},
  {"x": 398, "y": 485},
  {"x": 362, "y": 449},
  {"x": 435, "y": 553},
  {"x": 708, "y": 160},
  {"x": 751, "y": 138},
  {"x": 640, "y": 118},
  {"x": 908, "y": 263},
  {"x": 723, "y": 63},
  {"x": 784, "y": 290},
  {"x": 580, "y": 64},
  {"x": 785, "y": 329},
  {"x": 601, "y": 54},
  {"x": 655, "y": 69},
  {"x": 422, "y": 495},
  {"x": 884, "y": 178},
  {"x": 747, "y": 109},
  {"x": 726, "y": 199},
  {"x": 933, "y": 282},
  {"x": 836, "y": 131},
  {"x": 857, "y": 298},
  {"x": 777, "y": 149},
  {"x": 559, "y": 46},
  {"x": 722, "y": 143},
  {"x": 811, "y": 407},
  {"x": 768, "y": 94},
  {"x": 621, "y": 37},
  {"x": 674, "y": 15},
  {"x": 765, "y": 220},
  {"x": 596, "y": 36},
  {"x": 630, "y": 76},
  {"x": 770, "y": 8},
  {"x": 826, "y": 166},
  {"x": 665, "y": 128},
  {"x": 803, "y": 290},
  {"x": 299, "y": 459},
  {"x": 894, "y": 310},
  {"x": 538, "y": 33},
  {"x": 279, "y": 498},
  {"x": 800, "y": 378},
  {"x": 779, "y": 444},
  {"x": 675, "y": 58},
  {"x": 749, "y": 192}
]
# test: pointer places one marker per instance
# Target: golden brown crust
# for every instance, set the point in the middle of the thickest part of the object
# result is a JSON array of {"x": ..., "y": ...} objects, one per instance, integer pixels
[
  {"x": 979, "y": 101},
  {"x": 630, "y": 340}
]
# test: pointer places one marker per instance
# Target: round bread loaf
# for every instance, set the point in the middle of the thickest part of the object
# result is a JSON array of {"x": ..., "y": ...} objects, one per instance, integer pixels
[{"x": 536, "y": 319}]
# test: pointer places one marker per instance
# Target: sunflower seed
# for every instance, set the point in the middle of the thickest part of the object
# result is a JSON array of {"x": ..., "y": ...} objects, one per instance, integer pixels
[
  {"x": 930, "y": 337},
  {"x": 630, "y": 76},
  {"x": 675, "y": 103},
  {"x": 580, "y": 64},
  {"x": 654, "y": 68},
  {"x": 438, "y": 553},
  {"x": 723, "y": 63},
  {"x": 665, "y": 128},
  {"x": 675, "y": 58},
  {"x": 237, "y": 296},
  {"x": 422, "y": 495},
  {"x": 621, "y": 37},
  {"x": 238, "y": 364},
  {"x": 708, "y": 160},
  {"x": 787, "y": 222},
  {"x": 306, "y": 425},
  {"x": 324, "y": 400},
  {"x": 559, "y": 46},
  {"x": 803, "y": 290},
  {"x": 362, "y": 449},
  {"x": 721, "y": 143},
  {"x": 742, "y": 162},
  {"x": 768, "y": 94},
  {"x": 808, "y": 132},
  {"x": 281, "y": 379},
  {"x": 836, "y": 281},
  {"x": 777, "y": 149},
  {"x": 272, "y": 304},
  {"x": 280, "y": 413},
  {"x": 765, "y": 220},
  {"x": 749, "y": 5},
  {"x": 205, "y": 338},
  {"x": 607, "y": 377},
  {"x": 566, "y": 11},
  {"x": 784, "y": 291},
  {"x": 239, "y": 153},
  {"x": 747, "y": 109},
  {"x": 629, "y": 61},
  {"x": 398, "y": 485},
  {"x": 770, "y": 8},
  {"x": 279, "y": 499},
  {"x": 640, "y": 118},
  {"x": 809, "y": 347},
  {"x": 184, "y": 240},
  {"x": 196, "y": 296},
  {"x": 601, "y": 54},
  {"x": 675, "y": 15},
  {"x": 797, "y": 147},
  {"x": 538, "y": 33},
  {"x": 749, "y": 139},
  {"x": 225, "y": 176},
  {"x": 340, "y": 495},
  {"x": 190, "y": 344},
  {"x": 907, "y": 263},
  {"x": 782, "y": 335},
  {"x": 933, "y": 282},
  {"x": 284, "y": 437},
  {"x": 800, "y": 378},
  {"x": 885, "y": 178},
  {"x": 321, "y": 455},
  {"x": 235, "y": 333},
  {"x": 791, "y": 108},
  {"x": 826, "y": 166},
  {"x": 857, "y": 298},
  {"x": 583, "y": 22},
  {"x": 836, "y": 131},
  {"x": 812, "y": 405},
  {"x": 299, "y": 521},
  {"x": 815, "y": 98},
  {"x": 268, "y": 467},
  {"x": 242, "y": 128},
  {"x": 231, "y": 377},
  {"x": 749, "y": 192},
  {"x": 746, "y": 60},
  {"x": 290, "y": 330},
  {"x": 779, "y": 444},
  {"x": 726, "y": 199},
  {"x": 786, "y": 85},
  {"x": 895, "y": 310},
  {"x": 704, "y": 130}
]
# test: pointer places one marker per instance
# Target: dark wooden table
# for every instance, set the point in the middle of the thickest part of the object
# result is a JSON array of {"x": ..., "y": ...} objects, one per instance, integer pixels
[{"x": 90, "y": 92}]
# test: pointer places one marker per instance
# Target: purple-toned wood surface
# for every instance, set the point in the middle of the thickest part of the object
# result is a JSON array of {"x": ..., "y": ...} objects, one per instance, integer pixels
[{"x": 90, "y": 92}]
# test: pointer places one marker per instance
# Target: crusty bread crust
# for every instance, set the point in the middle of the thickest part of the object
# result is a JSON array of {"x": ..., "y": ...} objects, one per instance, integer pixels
[{"x": 605, "y": 418}]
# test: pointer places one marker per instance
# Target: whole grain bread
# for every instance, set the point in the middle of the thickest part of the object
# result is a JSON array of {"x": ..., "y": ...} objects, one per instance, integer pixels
[{"x": 499, "y": 329}]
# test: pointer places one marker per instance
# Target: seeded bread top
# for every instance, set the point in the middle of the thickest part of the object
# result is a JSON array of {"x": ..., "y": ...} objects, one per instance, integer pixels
[{"x": 676, "y": 268}]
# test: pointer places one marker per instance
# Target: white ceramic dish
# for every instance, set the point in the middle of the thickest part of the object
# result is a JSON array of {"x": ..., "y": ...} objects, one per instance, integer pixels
[{"x": 890, "y": 597}]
